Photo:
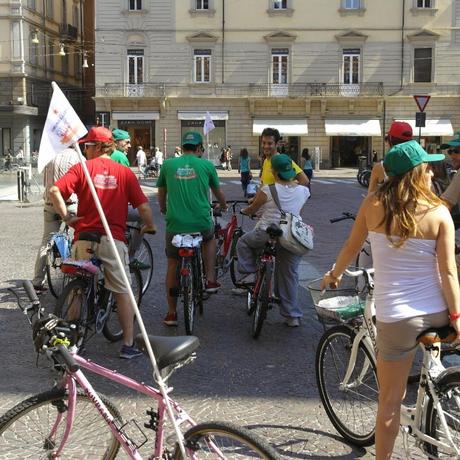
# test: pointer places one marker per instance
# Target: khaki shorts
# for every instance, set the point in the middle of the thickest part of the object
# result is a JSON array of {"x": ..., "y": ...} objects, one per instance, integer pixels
[
  {"x": 396, "y": 341},
  {"x": 172, "y": 251},
  {"x": 113, "y": 277}
]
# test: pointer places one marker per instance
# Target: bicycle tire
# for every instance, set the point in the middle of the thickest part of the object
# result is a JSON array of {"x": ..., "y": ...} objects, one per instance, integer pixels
[
  {"x": 199, "y": 283},
  {"x": 261, "y": 300},
  {"x": 448, "y": 391},
  {"x": 90, "y": 433},
  {"x": 55, "y": 278},
  {"x": 75, "y": 292},
  {"x": 112, "y": 330},
  {"x": 188, "y": 296},
  {"x": 219, "y": 270},
  {"x": 232, "y": 442},
  {"x": 145, "y": 255},
  {"x": 334, "y": 341},
  {"x": 365, "y": 177},
  {"x": 358, "y": 176},
  {"x": 234, "y": 256},
  {"x": 250, "y": 302}
]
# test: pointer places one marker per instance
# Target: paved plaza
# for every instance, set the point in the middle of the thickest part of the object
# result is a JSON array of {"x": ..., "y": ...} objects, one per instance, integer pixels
[{"x": 267, "y": 384}]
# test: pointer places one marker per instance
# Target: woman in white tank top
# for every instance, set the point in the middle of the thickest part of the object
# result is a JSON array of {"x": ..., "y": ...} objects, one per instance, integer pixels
[{"x": 416, "y": 286}]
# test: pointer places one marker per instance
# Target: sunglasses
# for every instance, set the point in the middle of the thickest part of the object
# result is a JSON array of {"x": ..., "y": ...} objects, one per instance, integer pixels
[
  {"x": 89, "y": 144},
  {"x": 452, "y": 151}
]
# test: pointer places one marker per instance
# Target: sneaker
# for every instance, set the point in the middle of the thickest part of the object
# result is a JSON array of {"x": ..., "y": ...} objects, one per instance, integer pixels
[
  {"x": 292, "y": 322},
  {"x": 170, "y": 319},
  {"x": 138, "y": 264},
  {"x": 212, "y": 286},
  {"x": 129, "y": 352},
  {"x": 250, "y": 278},
  {"x": 239, "y": 291}
]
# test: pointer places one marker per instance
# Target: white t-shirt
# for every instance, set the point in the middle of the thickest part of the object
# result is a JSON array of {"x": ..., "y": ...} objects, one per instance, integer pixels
[
  {"x": 159, "y": 157},
  {"x": 141, "y": 157},
  {"x": 292, "y": 197}
]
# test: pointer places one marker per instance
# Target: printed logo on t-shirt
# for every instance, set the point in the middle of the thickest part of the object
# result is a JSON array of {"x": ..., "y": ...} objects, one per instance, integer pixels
[
  {"x": 185, "y": 173},
  {"x": 105, "y": 181}
]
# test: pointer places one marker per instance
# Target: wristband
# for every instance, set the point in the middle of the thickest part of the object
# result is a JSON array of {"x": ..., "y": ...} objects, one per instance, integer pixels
[{"x": 454, "y": 316}]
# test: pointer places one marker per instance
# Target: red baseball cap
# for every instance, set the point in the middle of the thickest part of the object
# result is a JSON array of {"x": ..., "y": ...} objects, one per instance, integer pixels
[
  {"x": 97, "y": 134},
  {"x": 400, "y": 130}
]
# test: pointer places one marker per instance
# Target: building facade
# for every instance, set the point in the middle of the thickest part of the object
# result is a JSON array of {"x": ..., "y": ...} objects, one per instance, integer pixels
[
  {"x": 331, "y": 75},
  {"x": 40, "y": 41}
]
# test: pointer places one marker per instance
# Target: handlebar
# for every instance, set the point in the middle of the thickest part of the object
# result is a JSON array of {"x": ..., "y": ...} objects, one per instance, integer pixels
[
  {"x": 63, "y": 356},
  {"x": 345, "y": 216},
  {"x": 359, "y": 272}
]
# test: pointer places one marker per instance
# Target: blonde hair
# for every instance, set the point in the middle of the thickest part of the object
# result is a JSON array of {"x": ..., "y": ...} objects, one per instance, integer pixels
[
  {"x": 400, "y": 196},
  {"x": 107, "y": 148}
]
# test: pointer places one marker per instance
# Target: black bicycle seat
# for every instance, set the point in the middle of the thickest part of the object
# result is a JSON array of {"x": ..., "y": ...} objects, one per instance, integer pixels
[
  {"x": 89, "y": 236},
  {"x": 168, "y": 350},
  {"x": 274, "y": 231}
]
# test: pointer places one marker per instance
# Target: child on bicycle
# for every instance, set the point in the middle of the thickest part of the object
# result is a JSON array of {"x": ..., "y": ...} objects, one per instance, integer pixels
[
  {"x": 292, "y": 197},
  {"x": 416, "y": 286}
]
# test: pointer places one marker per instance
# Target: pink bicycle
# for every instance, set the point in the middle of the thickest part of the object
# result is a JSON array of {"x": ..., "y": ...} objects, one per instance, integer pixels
[{"x": 72, "y": 421}]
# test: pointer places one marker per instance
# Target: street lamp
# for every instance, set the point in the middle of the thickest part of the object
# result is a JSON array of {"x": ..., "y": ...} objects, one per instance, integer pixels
[
  {"x": 61, "y": 50},
  {"x": 85, "y": 60},
  {"x": 35, "y": 39}
]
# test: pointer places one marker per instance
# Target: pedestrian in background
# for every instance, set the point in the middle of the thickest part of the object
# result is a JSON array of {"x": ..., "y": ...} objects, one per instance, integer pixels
[
  {"x": 141, "y": 158},
  {"x": 177, "y": 152},
  {"x": 20, "y": 156},
  {"x": 307, "y": 165},
  {"x": 416, "y": 287},
  {"x": 158, "y": 158},
  {"x": 122, "y": 146},
  {"x": 244, "y": 168}
]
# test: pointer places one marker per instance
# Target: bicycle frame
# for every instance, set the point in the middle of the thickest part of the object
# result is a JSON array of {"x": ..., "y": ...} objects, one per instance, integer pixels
[{"x": 70, "y": 381}]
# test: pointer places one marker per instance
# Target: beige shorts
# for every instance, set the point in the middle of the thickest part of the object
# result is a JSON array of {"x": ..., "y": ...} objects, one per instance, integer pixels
[
  {"x": 395, "y": 341},
  {"x": 113, "y": 277}
]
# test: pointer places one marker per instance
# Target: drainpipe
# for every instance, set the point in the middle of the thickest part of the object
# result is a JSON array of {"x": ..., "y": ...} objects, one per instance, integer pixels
[{"x": 223, "y": 41}]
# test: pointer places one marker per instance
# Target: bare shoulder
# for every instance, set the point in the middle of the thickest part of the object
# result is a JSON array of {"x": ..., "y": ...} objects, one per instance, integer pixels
[{"x": 442, "y": 212}]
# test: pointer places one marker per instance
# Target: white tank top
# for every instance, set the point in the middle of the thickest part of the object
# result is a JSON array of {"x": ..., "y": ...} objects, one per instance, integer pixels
[{"x": 407, "y": 280}]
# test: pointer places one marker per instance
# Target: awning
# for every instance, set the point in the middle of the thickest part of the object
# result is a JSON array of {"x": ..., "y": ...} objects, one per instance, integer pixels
[
  {"x": 286, "y": 127},
  {"x": 189, "y": 115},
  {"x": 353, "y": 128},
  {"x": 433, "y": 127},
  {"x": 135, "y": 115}
]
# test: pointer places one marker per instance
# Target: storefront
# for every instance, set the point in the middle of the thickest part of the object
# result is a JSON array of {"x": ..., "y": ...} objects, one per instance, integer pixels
[
  {"x": 350, "y": 139},
  {"x": 291, "y": 131},
  {"x": 217, "y": 138},
  {"x": 141, "y": 128}
]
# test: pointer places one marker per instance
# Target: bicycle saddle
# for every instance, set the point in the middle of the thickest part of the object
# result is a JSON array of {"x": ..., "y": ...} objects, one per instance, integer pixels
[
  {"x": 168, "y": 350},
  {"x": 89, "y": 236},
  {"x": 274, "y": 231},
  {"x": 445, "y": 334}
]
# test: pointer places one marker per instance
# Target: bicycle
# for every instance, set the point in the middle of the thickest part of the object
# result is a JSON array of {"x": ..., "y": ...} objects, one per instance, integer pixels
[
  {"x": 86, "y": 302},
  {"x": 260, "y": 296},
  {"x": 57, "y": 251},
  {"x": 346, "y": 376},
  {"x": 190, "y": 276},
  {"x": 227, "y": 238},
  {"x": 143, "y": 257},
  {"x": 72, "y": 419}
]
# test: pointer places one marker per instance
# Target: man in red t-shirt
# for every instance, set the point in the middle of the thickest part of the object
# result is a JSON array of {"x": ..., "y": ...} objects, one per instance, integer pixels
[{"x": 116, "y": 186}]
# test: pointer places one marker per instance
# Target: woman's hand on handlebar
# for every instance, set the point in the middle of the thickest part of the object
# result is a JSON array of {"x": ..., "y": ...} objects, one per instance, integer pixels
[
  {"x": 330, "y": 280},
  {"x": 152, "y": 229}
]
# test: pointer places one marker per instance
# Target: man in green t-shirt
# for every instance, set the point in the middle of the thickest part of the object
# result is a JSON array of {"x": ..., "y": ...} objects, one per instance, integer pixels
[
  {"x": 122, "y": 145},
  {"x": 183, "y": 195}
]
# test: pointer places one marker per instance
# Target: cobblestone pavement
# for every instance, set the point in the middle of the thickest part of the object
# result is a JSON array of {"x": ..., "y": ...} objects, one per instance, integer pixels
[{"x": 267, "y": 385}]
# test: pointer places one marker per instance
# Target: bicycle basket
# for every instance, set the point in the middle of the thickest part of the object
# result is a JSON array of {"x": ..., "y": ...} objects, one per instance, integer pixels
[{"x": 336, "y": 305}]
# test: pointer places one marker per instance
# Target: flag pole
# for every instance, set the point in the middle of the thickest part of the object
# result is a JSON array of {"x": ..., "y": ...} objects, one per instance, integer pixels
[{"x": 156, "y": 372}]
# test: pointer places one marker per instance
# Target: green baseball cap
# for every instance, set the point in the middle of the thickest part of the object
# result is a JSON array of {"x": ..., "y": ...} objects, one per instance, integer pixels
[
  {"x": 120, "y": 135},
  {"x": 282, "y": 165},
  {"x": 452, "y": 143},
  {"x": 192, "y": 138},
  {"x": 406, "y": 156}
]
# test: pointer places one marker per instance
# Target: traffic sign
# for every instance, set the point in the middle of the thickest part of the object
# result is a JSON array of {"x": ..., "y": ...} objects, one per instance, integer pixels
[
  {"x": 422, "y": 102},
  {"x": 420, "y": 119}
]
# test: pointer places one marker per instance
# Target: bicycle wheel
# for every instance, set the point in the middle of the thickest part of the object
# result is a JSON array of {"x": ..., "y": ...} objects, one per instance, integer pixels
[
  {"x": 111, "y": 326},
  {"x": 188, "y": 296},
  {"x": 250, "y": 302},
  {"x": 25, "y": 429},
  {"x": 72, "y": 305},
  {"x": 352, "y": 409},
  {"x": 55, "y": 278},
  {"x": 234, "y": 256},
  {"x": 262, "y": 299},
  {"x": 448, "y": 392},
  {"x": 365, "y": 177},
  {"x": 224, "y": 440},
  {"x": 199, "y": 282},
  {"x": 145, "y": 256}
]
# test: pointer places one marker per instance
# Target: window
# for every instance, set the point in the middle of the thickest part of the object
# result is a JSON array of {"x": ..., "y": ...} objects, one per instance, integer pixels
[
  {"x": 352, "y": 4},
  {"x": 135, "y": 5},
  {"x": 65, "y": 63},
  {"x": 135, "y": 67},
  {"x": 77, "y": 65},
  {"x": 6, "y": 140},
  {"x": 49, "y": 9},
  {"x": 280, "y": 59},
  {"x": 31, "y": 4},
  {"x": 425, "y": 3},
  {"x": 76, "y": 17},
  {"x": 33, "y": 53},
  {"x": 279, "y": 4},
  {"x": 350, "y": 66},
  {"x": 202, "y": 66},
  {"x": 64, "y": 12},
  {"x": 202, "y": 4},
  {"x": 423, "y": 64}
]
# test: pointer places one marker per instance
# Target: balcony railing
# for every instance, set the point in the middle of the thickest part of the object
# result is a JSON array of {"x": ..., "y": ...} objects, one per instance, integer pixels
[
  {"x": 68, "y": 32},
  {"x": 258, "y": 90}
]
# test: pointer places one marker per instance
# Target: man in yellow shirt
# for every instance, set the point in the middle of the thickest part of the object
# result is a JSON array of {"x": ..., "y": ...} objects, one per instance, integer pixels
[{"x": 270, "y": 139}]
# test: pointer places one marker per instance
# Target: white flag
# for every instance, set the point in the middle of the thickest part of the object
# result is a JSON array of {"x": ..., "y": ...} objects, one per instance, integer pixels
[
  {"x": 62, "y": 128},
  {"x": 208, "y": 124}
]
